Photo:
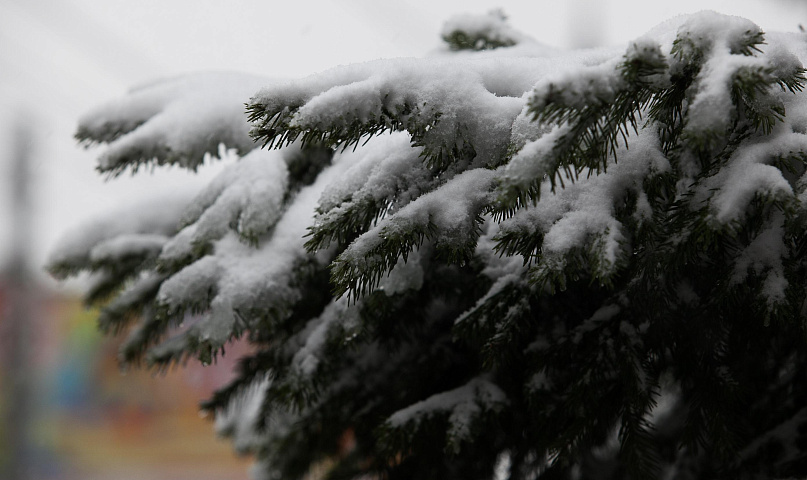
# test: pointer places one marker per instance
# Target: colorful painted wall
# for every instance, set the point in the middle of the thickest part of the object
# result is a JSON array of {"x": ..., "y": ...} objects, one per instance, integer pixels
[{"x": 90, "y": 420}]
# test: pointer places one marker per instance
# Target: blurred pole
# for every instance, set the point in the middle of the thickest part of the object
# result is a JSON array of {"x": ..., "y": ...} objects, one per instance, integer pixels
[{"x": 18, "y": 328}]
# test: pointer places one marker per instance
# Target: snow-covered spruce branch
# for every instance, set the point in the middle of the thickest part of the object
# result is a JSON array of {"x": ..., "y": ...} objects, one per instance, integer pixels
[
  {"x": 178, "y": 121},
  {"x": 501, "y": 258}
]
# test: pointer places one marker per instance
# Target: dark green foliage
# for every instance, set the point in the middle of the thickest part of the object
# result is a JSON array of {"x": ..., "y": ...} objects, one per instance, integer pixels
[{"x": 621, "y": 298}]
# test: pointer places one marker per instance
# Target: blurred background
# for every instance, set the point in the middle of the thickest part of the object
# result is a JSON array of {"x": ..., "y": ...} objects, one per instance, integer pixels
[{"x": 68, "y": 412}]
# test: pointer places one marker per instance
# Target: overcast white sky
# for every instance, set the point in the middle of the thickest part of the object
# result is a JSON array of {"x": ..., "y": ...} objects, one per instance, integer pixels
[{"x": 58, "y": 58}]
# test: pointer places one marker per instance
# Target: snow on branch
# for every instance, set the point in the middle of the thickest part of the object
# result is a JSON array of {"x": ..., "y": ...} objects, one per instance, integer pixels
[
  {"x": 544, "y": 229},
  {"x": 456, "y": 110},
  {"x": 132, "y": 231},
  {"x": 450, "y": 216},
  {"x": 178, "y": 121},
  {"x": 463, "y": 406}
]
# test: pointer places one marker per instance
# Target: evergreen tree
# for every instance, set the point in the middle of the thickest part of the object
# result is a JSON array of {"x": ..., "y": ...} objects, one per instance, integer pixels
[{"x": 501, "y": 261}]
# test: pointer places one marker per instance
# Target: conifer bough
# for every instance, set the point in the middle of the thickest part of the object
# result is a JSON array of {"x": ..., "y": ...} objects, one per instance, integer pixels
[{"x": 501, "y": 261}]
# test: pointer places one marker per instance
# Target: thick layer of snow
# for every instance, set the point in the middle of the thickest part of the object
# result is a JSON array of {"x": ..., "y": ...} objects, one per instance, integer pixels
[
  {"x": 117, "y": 248},
  {"x": 749, "y": 173},
  {"x": 450, "y": 211},
  {"x": 239, "y": 277},
  {"x": 456, "y": 100},
  {"x": 383, "y": 176},
  {"x": 158, "y": 216},
  {"x": 176, "y": 121},
  {"x": 582, "y": 213},
  {"x": 247, "y": 196}
]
